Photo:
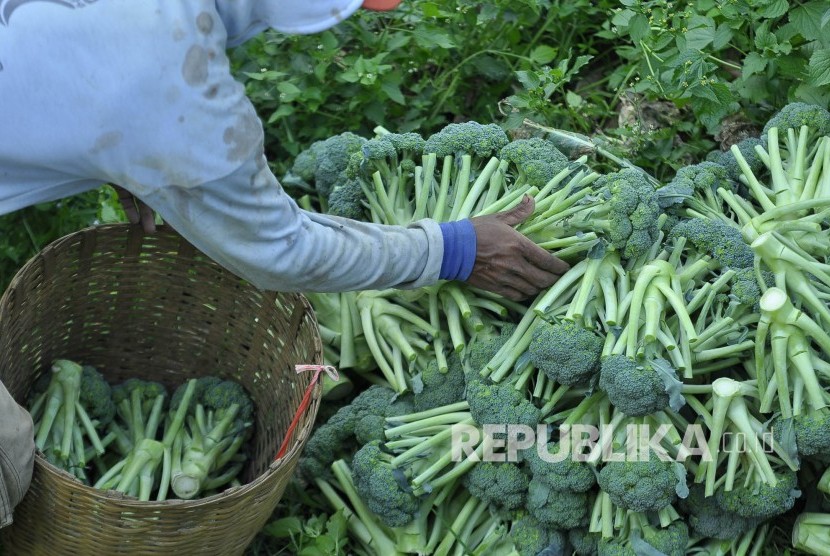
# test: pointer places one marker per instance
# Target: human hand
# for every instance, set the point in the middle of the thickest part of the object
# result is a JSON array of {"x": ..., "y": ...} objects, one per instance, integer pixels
[
  {"x": 136, "y": 211},
  {"x": 508, "y": 263}
]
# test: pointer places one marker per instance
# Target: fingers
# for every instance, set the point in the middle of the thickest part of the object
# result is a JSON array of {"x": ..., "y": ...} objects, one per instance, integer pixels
[
  {"x": 543, "y": 260},
  {"x": 136, "y": 211},
  {"x": 519, "y": 213},
  {"x": 148, "y": 219}
]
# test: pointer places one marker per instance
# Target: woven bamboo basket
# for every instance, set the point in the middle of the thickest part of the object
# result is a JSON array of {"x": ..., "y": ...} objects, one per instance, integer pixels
[{"x": 153, "y": 307}]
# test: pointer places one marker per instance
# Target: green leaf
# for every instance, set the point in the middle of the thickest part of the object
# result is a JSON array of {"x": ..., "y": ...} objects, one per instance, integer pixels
[
  {"x": 428, "y": 37},
  {"x": 819, "y": 68},
  {"x": 638, "y": 27},
  {"x": 283, "y": 528},
  {"x": 701, "y": 33},
  {"x": 753, "y": 63},
  {"x": 573, "y": 99},
  {"x": 723, "y": 35},
  {"x": 774, "y": 9},
  {"x": 430, "y": 10},
  {"x": 393, "y": 91},
  {"x": 398, "y": 40},
  {"x": 808, "y": 19},
  {"x": 622, "y": 18},
  {"x": 825, "y": 19},
  {"x": 543, "y": 54}
]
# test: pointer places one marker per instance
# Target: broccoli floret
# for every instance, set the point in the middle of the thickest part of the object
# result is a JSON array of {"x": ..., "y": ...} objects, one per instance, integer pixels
[
  {"x": 812, "y": 433},
  {"x": 439, "y": 388},
  {"x": 501, "y": 484},
  {"x": 223, "y": 395},
  {"x": 567, "y": 474},
  {"x": 707, "y": 519},
  {"x": 560, "y": 509},
  {"x": 532, "y": 538},
  {"x": 583, "y": 542},
  {"x": 96, "y": 396},
  {"x": 724, "y": 243},
  {"x": 305, "y": 164},
  {"x": 671, "y": 540},
  {"x": 640, "y": 486},
  {"x": 407, "y": 145},
  {"x": 467, "y": 138},
  {"x": 346, "y": 200},
  {"x": 633, "y": 210},
  {"x": 324, "y": 446},
  {"x": 797, "y": 114},
  {"x": 566, "y": 352},
  {"x": 202, "y": 384},
  {"x": 745, "y": 288},
  {"x": 370, "y": 426},
  {"x": 758, "y": 500},
  {"x": 484, "y": 347},
  {"x": 635, "y": 388},
  {"x": 332, "y": 159},
  {"x": 379, "y": 485},
  {"x": 500, "y": 404},
  {"x": 696, "y": 185},
  {"x": 538, "y": 160},
  {"x": 747, "y": 149}
]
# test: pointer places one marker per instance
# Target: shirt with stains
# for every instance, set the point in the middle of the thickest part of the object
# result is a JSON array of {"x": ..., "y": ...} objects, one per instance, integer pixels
[{"x": 139, "y": 93}]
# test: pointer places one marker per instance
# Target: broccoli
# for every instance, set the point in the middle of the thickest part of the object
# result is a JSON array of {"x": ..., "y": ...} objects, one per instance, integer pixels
[
  {"x": 379, "y": 485},
  {"x": 696, "y": 186},
  {"x": 347, "y": 200},
  {"x": 811, "y": 533},
  {"x": 332, "y": 160},
  {"x": 305, "y": 164},
  {"x": 640, "y": 486},
  {"x": 707, "y": 519},
  {"x": 484, "y": 347},
  {"x": 501, "y": 484},
  {"x": 583, "y": 542},
  {"x": 467, "y": 138},
  {"x": 566, "y": 352},
  {"x": 812, "y": 433},
  {"x": 745, "y": 288},
  {"x": 63, "y": 414},
  {"x": 635, "y": 388},
  {"x": 747, "y": 149},
  {"x": 220, "y": 424},
  {"x": 724, "y": 243},
  {"x": 759, "y": 500},
  {"x": 439, "y": 388},
  {"x": 531, "y": 537},
  {"x": 492, "y": 403},
  {"x": 567, "y": 474},
  {"x": 371, "y": 426},
  {"x": 797, "y": 114},
  {"x": 640, "y": 537},
  {"x": 537, "y": 160},
  {"x": 559, "y": 509}
]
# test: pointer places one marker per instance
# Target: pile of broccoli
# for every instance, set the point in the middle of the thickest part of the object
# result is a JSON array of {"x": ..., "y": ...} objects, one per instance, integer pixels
[{"x": 698, "y": 308}]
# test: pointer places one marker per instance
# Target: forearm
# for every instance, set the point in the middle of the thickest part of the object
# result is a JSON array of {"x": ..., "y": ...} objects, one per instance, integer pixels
[{"x": 248, "y": 224}]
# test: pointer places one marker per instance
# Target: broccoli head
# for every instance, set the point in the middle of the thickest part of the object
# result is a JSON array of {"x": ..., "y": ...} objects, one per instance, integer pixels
[
  {"x": 346, "y": 200},
  {"x": 96, "y": 396},
  {"x": 538, "y": 160},
  {"x": 532, "y": 538},
  {"x": 566, "y": 352},
  {"x": 747, "y": 150},
  {"x": 501, "y": 484},
  {"x": 707, "y": 519},
  {"x": 640, "y": 486},
  {"x": 745, "y": 288},
  {"x": 812, "y": 433},
  {"x": 467, "y": 138},
  {"x": 568, "y": 474},
  {"x": 560, "y": 509},
  {"x": 633, "y": 210},
  {"x": 305, "y": 164},
  {"x": 758, "y": 500},
  {"x": 582, "y": 542},
  {"x": 379, "y": 486},
  {"x": 798, "y": 114},
  {"x": 635, "y": 388},
  {"x": 724, "y": 243},
  {"x": 483, "y": 347},
  {"x": 332, "y": 159},
  {"x": 670, "y": 540},
  {"x": 500, "y": 404},
  {"x": 439, "y": 388},
  {"x": 226, "y": 393}
]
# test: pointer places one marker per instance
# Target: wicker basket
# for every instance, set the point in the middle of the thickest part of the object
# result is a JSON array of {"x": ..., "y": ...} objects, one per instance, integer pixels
[{"x": 151, "y": 306}]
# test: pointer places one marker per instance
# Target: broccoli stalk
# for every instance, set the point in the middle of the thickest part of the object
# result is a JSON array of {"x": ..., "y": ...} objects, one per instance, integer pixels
[{"x": 811, "y": 533}]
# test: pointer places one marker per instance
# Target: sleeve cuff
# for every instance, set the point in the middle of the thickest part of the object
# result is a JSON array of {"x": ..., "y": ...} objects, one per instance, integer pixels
[{"x": 459, "y": 250}]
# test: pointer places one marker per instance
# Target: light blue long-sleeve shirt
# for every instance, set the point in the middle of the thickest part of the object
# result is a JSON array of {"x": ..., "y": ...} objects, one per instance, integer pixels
[{"x": 138, "y": 93}]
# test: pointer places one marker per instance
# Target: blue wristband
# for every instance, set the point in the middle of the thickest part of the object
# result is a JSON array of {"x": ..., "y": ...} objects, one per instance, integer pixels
[{"x": 459, "y": 250}]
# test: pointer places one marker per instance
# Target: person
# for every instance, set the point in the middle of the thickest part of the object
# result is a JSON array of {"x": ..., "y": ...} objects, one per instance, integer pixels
[{"x": 139, "y": 94}]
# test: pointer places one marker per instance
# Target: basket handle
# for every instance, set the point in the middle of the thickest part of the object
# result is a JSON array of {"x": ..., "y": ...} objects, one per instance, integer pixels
[{"x": 306, "y": 401}]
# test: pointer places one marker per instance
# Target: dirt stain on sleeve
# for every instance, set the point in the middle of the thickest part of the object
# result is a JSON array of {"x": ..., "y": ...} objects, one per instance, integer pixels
[
  {"x": 105, "y": 141},
  {"x": 195, "y": 67},
  {"x": 243, "y": 138}
]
